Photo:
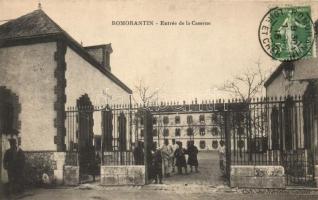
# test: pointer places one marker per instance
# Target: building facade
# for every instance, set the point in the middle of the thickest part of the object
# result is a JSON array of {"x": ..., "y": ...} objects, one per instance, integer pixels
[{"x": 43, "y": 70}]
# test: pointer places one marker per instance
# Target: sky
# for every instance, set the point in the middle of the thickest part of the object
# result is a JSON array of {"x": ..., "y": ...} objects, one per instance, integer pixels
[{"x": 183, "y": 62}]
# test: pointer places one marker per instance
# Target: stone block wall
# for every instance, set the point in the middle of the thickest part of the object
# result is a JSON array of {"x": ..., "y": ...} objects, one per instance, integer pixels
[
  {"x": 123, "y": 175},
  {"x": 44, "y": 168},
  {"x": 71, "y": 175},
  {"x": 257, "y": 176}
]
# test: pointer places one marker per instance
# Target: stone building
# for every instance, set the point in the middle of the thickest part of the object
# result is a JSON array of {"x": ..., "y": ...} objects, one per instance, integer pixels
[
  {"x": 202, "y": 123},
  {"x": 43, "y": 70}
]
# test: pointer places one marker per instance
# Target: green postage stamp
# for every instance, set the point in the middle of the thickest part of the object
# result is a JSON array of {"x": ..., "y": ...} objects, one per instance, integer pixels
[{"x": 287, "y": 33}]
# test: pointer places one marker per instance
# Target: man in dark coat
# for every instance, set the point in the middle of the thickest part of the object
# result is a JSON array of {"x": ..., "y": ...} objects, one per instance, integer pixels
[
  {"x": 13, "y": 162},
  {"x": 180, "y": 159},
  {"x": 193, "y": 156},
  {"x": 157, "y": 165},
  {"x": 139, "y": 154}
]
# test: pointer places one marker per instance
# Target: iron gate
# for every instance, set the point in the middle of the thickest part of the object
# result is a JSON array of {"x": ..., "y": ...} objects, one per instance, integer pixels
[
  {"x": 107, "y": 135},
  {"x": 265, "y": 131}
]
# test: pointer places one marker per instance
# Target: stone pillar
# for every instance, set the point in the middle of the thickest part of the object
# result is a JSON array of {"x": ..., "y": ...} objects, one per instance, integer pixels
[
  {"x": 71, "y": 175},
  {"x": 1, "y": 166}
]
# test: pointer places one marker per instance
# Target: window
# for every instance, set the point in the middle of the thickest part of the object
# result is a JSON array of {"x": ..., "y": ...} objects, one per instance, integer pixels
[
  {"x": 154, "y": 120},
  {"x": 165, "y": 132},
  {"x": 189, "y": 131},
  {"x": 166, "y": 120},
  {"x": 141, "y": 120},
  {"x": 202, "y": 144},
  {"x": 154, "y": 132},
  {"x": 177, "y": 119},
  {"x": 142, "y": 133},
  {"x": 240, "y": 144},
  {"x": 214, "y": 118},
  {"x": 177, "y": 132},
  {"x": 215, "y": 144},
  {"x": 201, "y": 118},
  {"x": 189, "y": 119},
  {"x": 240, "y": 131},
  {"x": 215, "y": 131},
  {"x": 240, "y": 118},
  {"x": 202, "y": 131}
]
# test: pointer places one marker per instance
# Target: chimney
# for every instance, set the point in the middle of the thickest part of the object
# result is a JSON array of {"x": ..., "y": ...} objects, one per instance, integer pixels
[{"x": 101, "y": 53}]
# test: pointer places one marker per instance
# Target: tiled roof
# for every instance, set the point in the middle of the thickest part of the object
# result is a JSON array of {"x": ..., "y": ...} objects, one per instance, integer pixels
[
  {"x": 37, "y": 24},
  {"x": 33, "y": 24}
]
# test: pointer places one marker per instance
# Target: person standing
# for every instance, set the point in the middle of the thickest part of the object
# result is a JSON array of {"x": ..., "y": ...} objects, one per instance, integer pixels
[
  {"x": 193, "y": 156},
  {"x": 180, "y": 159},
  {"x": 20, "y": 168},
  {"x": 157, "y": 165},
  {"x": 13, "y": 162},
  {"x": 173, "y": 160},
  {"x": 222, "y": 156},
  {"x": 167, "y": 153},
  {"x": 139, "y": 154}
]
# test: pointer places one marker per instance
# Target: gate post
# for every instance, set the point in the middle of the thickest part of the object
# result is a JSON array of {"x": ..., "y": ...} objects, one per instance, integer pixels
[
  {"x": 227, "y": 145},
  {"x": 148, "y": 143}
]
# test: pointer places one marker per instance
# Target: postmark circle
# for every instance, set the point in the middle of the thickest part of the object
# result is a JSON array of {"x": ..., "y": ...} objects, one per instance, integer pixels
[{"x": 286, "y": 34}]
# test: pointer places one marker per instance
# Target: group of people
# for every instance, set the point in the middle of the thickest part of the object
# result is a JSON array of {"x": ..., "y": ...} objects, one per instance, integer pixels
[{"x": 168, "y": 157}]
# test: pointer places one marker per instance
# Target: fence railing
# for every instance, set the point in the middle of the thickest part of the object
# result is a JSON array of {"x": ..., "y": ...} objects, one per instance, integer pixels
[{"x": 259, "y": 130}]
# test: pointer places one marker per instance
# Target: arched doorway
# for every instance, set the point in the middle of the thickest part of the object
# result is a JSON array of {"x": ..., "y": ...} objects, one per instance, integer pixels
[
  {"x": 9, "y": 121},
  {"x": 85, "y": 136}
]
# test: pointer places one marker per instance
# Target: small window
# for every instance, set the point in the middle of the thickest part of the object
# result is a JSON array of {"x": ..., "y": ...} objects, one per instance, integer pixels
[
  {"x": 240, "y": 117},
  {"x": 154, "y": 120},
  {"x": 141, "y": 119},
  {"x": 189, "y": 119},
  {"x": 202, "y": 144},
  {"x": 240, "y": 144},
  {"x": 166, "y": 120},
  {"x": 214, "y": 118},
  {"x": 201, "y": 118},
  {"x": 202, "y": 131},
  {"x": 142, "y": 133},
  {"x": 154, "y": 132},
  {"x": 215, "y": 144},
  {"x": 166, "y": 132},
  {"x": 189, "y": 131},
  {"x": 240, "y": 131},
  {"x": 177, "y": 119},
  {"x": 177, "y": 132},
  {"x": 215, "y": 131}
]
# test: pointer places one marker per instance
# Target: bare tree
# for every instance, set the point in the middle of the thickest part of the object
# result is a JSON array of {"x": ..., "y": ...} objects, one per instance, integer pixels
[
  {"x": 144, "y": 94},
  {"x": 247, "y": 84}
]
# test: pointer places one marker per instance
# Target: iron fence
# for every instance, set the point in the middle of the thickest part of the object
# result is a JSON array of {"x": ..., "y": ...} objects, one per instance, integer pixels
[{"x": 262, "y": 131}]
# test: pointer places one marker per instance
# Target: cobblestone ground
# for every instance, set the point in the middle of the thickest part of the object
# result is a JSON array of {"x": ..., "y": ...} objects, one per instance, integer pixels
[{"x": 209, "y": 172}]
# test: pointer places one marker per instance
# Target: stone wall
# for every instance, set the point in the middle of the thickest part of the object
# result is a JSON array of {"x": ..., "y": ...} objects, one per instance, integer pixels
[
  {"x": 40, "y": 163},
  {"x": 257, "y": 176},
  {"x": 71, "y": 175},
  {"x": 28, "y": 71},
  {"x": 83, "y": 78},
  {"x": 123, "y": 175}
]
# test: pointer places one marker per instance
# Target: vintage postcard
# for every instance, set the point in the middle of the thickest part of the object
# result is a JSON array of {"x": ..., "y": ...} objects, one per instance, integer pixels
[{"x": 166, "y": 99}]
